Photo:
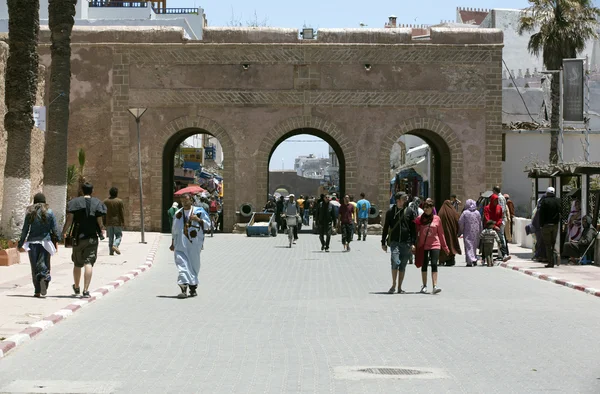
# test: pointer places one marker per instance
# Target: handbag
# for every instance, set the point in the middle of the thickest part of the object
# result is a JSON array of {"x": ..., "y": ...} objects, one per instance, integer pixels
[{"x": 420, "y": 256}]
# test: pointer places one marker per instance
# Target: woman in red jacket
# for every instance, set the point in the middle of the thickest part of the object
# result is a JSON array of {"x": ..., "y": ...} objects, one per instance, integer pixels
[
  {"x": 430, "y": 241},
  {"x": 493, "y": 212}
]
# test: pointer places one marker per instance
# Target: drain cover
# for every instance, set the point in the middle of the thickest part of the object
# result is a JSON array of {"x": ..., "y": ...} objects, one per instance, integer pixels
[{"x": 392, "y": 371}]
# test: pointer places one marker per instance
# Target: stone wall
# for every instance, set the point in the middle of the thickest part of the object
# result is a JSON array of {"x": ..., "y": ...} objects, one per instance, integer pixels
[
  {"x": 251, "y": 91},
  {"x": 37, "y": 135}
]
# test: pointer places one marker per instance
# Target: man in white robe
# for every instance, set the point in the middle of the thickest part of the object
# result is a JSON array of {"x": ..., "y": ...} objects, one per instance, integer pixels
[{"x": 189, "y": 225}]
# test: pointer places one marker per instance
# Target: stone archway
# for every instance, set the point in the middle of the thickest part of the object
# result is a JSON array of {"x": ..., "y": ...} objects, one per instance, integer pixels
[
  {"x": 318, "y": 127},
  {"x": 162, "y": 153},
  {"x": 448, "y": 170}
]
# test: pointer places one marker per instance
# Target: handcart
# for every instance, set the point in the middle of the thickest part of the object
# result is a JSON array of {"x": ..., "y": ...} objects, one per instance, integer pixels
[{"x": 262, "y": 223}]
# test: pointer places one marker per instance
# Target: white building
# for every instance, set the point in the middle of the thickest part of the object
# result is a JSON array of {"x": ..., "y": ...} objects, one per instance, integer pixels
[{"x": 126, "y": 13}]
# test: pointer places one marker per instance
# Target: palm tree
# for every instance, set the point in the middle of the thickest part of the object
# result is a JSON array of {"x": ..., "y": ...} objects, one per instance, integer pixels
[
  {"x": 61, "y": 19},
  {"x": 21, "y": 88},
  {"x": 564, "y": 28}
]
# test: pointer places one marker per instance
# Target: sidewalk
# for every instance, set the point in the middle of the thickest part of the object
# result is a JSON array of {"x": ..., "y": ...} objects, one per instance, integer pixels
[
  {"x": 19, "y": 307},
  {"x": 584, "y": 278}
]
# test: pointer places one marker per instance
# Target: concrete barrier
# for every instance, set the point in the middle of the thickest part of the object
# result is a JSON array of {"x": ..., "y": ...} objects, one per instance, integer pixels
[{"x": 520, "y": 236}]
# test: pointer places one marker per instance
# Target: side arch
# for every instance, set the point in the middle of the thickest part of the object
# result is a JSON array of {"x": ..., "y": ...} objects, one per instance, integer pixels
[
  {"x": 447, "y": 150},
  {"x": 329, "y": 131},
  {"x": 171, "y": 135}
]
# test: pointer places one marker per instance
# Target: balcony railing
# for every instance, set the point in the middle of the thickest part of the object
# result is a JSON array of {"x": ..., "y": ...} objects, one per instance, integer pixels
[
  {"x": 176, "y": 11},
  {"x": 118, "y": 3}
]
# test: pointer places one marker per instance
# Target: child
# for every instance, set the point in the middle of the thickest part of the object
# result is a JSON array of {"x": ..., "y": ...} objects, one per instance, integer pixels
[{"x": 488, "y": 236}]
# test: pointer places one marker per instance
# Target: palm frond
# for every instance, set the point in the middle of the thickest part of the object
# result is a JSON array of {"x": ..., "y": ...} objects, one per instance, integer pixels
[{"x": 81, "y": 159}]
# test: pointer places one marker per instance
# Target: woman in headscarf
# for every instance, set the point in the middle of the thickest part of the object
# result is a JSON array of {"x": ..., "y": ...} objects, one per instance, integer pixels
[
  {"x": 575, "y": 249},
  {"x": 574, "y": 220},
  {"x": 38, "y": 238},
  {"x": 449, "y": 218},
  {"x": 539, "y": 249},
  {"x": 470, "y": 226},
  {"x": 493, "y": 212}
]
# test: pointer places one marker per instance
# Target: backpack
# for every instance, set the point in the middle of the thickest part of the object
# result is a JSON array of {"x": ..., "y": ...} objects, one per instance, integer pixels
[{"x": 213, "y": 206}]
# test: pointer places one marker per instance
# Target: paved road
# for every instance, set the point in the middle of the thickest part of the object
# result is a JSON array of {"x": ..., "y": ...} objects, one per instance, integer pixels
[{"x": 274, "y": 320}]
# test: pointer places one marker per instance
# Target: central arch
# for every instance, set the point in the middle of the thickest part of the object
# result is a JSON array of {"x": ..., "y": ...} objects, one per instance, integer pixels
[
  {"x": 447, "y": 151},
  {"x": 327, "y": 130},
  {"x": 163, "y": 150}
]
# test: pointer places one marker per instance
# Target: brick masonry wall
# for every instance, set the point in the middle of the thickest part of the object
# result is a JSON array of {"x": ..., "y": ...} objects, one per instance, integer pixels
[{"x": 450, "y": 93}]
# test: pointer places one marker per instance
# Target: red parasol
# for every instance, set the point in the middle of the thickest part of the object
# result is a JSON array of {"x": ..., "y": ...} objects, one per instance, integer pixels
[{"x": 194, "y": 189}]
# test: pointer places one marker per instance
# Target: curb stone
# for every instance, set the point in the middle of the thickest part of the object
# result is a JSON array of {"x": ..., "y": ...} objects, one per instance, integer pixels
[
  {"x": 36, "y": 328},
  {"x": 548, "y": 278}
]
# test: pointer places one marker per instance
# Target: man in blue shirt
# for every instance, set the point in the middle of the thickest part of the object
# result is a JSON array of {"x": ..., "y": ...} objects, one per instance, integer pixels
[{"x": 363, "y": 206}]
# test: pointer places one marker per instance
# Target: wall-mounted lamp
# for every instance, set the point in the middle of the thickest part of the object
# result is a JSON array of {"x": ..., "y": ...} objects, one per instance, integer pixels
[
  {"x": 245, "y": 66},
  {"x": 367, "y": 67}
]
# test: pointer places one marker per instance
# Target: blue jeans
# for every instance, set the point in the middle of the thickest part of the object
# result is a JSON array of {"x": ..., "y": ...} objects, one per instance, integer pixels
[
  {"x": 401, "y": 252},
  {"x": 39, "y": 258},
  {"x": 115, "y": 234}
]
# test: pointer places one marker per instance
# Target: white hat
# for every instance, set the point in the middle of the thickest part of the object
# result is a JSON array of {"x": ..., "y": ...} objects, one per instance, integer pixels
[
  {"x": 550, "y": 190},
  {"x": 291, "y": 195},
  {"x": 175, "y": 205}
]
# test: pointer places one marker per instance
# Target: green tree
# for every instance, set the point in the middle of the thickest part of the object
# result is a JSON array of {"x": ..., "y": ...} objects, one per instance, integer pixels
[
  {"x": 21, "y": 89},
  {"x": 61, "y": 19},
  {"x": 560, "y": 30}
]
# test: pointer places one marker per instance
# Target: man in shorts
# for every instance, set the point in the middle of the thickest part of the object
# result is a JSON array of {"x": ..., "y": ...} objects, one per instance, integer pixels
[
  {"x": 400, "y": 225},
  {"x": 85, "y": 215}
]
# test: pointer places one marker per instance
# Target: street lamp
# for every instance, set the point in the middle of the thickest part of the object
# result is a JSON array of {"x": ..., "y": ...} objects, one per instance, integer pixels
[{"x": 137, "y": 114}]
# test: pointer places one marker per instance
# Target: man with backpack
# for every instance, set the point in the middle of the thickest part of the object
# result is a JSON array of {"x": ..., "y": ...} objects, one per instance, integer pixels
[{"x": 400, "y": 234}]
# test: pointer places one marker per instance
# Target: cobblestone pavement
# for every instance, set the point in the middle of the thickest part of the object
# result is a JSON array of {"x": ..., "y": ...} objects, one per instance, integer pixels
[
  {"x": 18, "y": 308},
  {"x": 274, "y": 320}
]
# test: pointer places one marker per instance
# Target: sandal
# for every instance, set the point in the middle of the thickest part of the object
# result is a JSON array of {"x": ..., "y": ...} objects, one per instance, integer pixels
[{"x": 392, "y": 290}]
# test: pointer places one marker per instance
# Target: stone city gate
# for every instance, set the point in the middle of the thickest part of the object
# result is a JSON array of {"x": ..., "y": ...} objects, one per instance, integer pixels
[{"x": 360, "y": 89}]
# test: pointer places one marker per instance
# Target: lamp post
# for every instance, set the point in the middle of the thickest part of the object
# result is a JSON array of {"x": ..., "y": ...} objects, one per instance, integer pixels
[{"x": 137, "y": 114}]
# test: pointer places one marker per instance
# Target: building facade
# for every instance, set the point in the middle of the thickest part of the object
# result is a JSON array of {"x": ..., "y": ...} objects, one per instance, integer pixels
[{"x": 446, "y": 90}]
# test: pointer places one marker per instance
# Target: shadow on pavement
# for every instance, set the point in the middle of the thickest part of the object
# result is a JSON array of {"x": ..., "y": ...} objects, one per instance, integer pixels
[
  {"x": 164, "y": 296},
  {"x": 48, "y": 296},
  {"x": 386, "y": 293}
]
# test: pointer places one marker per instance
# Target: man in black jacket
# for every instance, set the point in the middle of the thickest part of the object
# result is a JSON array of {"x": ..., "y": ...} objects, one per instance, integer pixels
[
  {"x": 325, "y": 217},
  {"x": 549, "y": 222},
  {"x": 400, "y": 224}
]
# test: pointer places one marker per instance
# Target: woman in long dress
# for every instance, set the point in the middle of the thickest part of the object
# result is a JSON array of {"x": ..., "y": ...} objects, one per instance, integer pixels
[
  {"x": 449, "y": 218},
  {"x": 539, "y": 250},
  {"x": 470, "y": 226},
  {"x": 574, "y": 221}
]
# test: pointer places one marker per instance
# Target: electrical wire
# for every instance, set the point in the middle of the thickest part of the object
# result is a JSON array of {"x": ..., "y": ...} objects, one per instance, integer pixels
[{"x": 517, "y": 88}]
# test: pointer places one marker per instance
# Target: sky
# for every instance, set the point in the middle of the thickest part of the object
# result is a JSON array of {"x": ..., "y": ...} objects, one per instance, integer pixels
[{"x": 334, "y": 14}]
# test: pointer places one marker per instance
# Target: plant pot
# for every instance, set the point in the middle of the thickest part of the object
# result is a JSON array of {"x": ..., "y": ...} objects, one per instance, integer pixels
[{"x": 9, "y": 257}]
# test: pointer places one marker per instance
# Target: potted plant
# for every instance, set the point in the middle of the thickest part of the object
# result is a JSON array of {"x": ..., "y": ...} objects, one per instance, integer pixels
[{"x": 9, "y": 254}]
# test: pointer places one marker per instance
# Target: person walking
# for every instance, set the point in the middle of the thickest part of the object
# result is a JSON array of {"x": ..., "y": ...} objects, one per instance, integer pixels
[
  {"x": 505, "y": 221},
  {"x": 363, "y": 206},
  {"x": 430, "y": 241},
  {"x": 470, "y": 227},
  {"x": 324, "y": 218},
  {"x": 84, "y": 219},
  {"x": 187, "y": 241},
  {"x": 488, "y": 237},
  {"x": 278, "y": 216},
  {"x": 114, "y": 221},
  {"x": 449, "y": 217},
  {"x": 549, "y": 220},
  {"x": 455, "y": 202},
  {"x": 399, "y": 234},
  {"x": 493, "y": 212},
  {"x": 291, "y": 208},
  {"x": 346, "y": 220},
  {"x": 171, "y": 213},
  {"x": 38, "y": 238},
  {"x": 510, "y": 217}
]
